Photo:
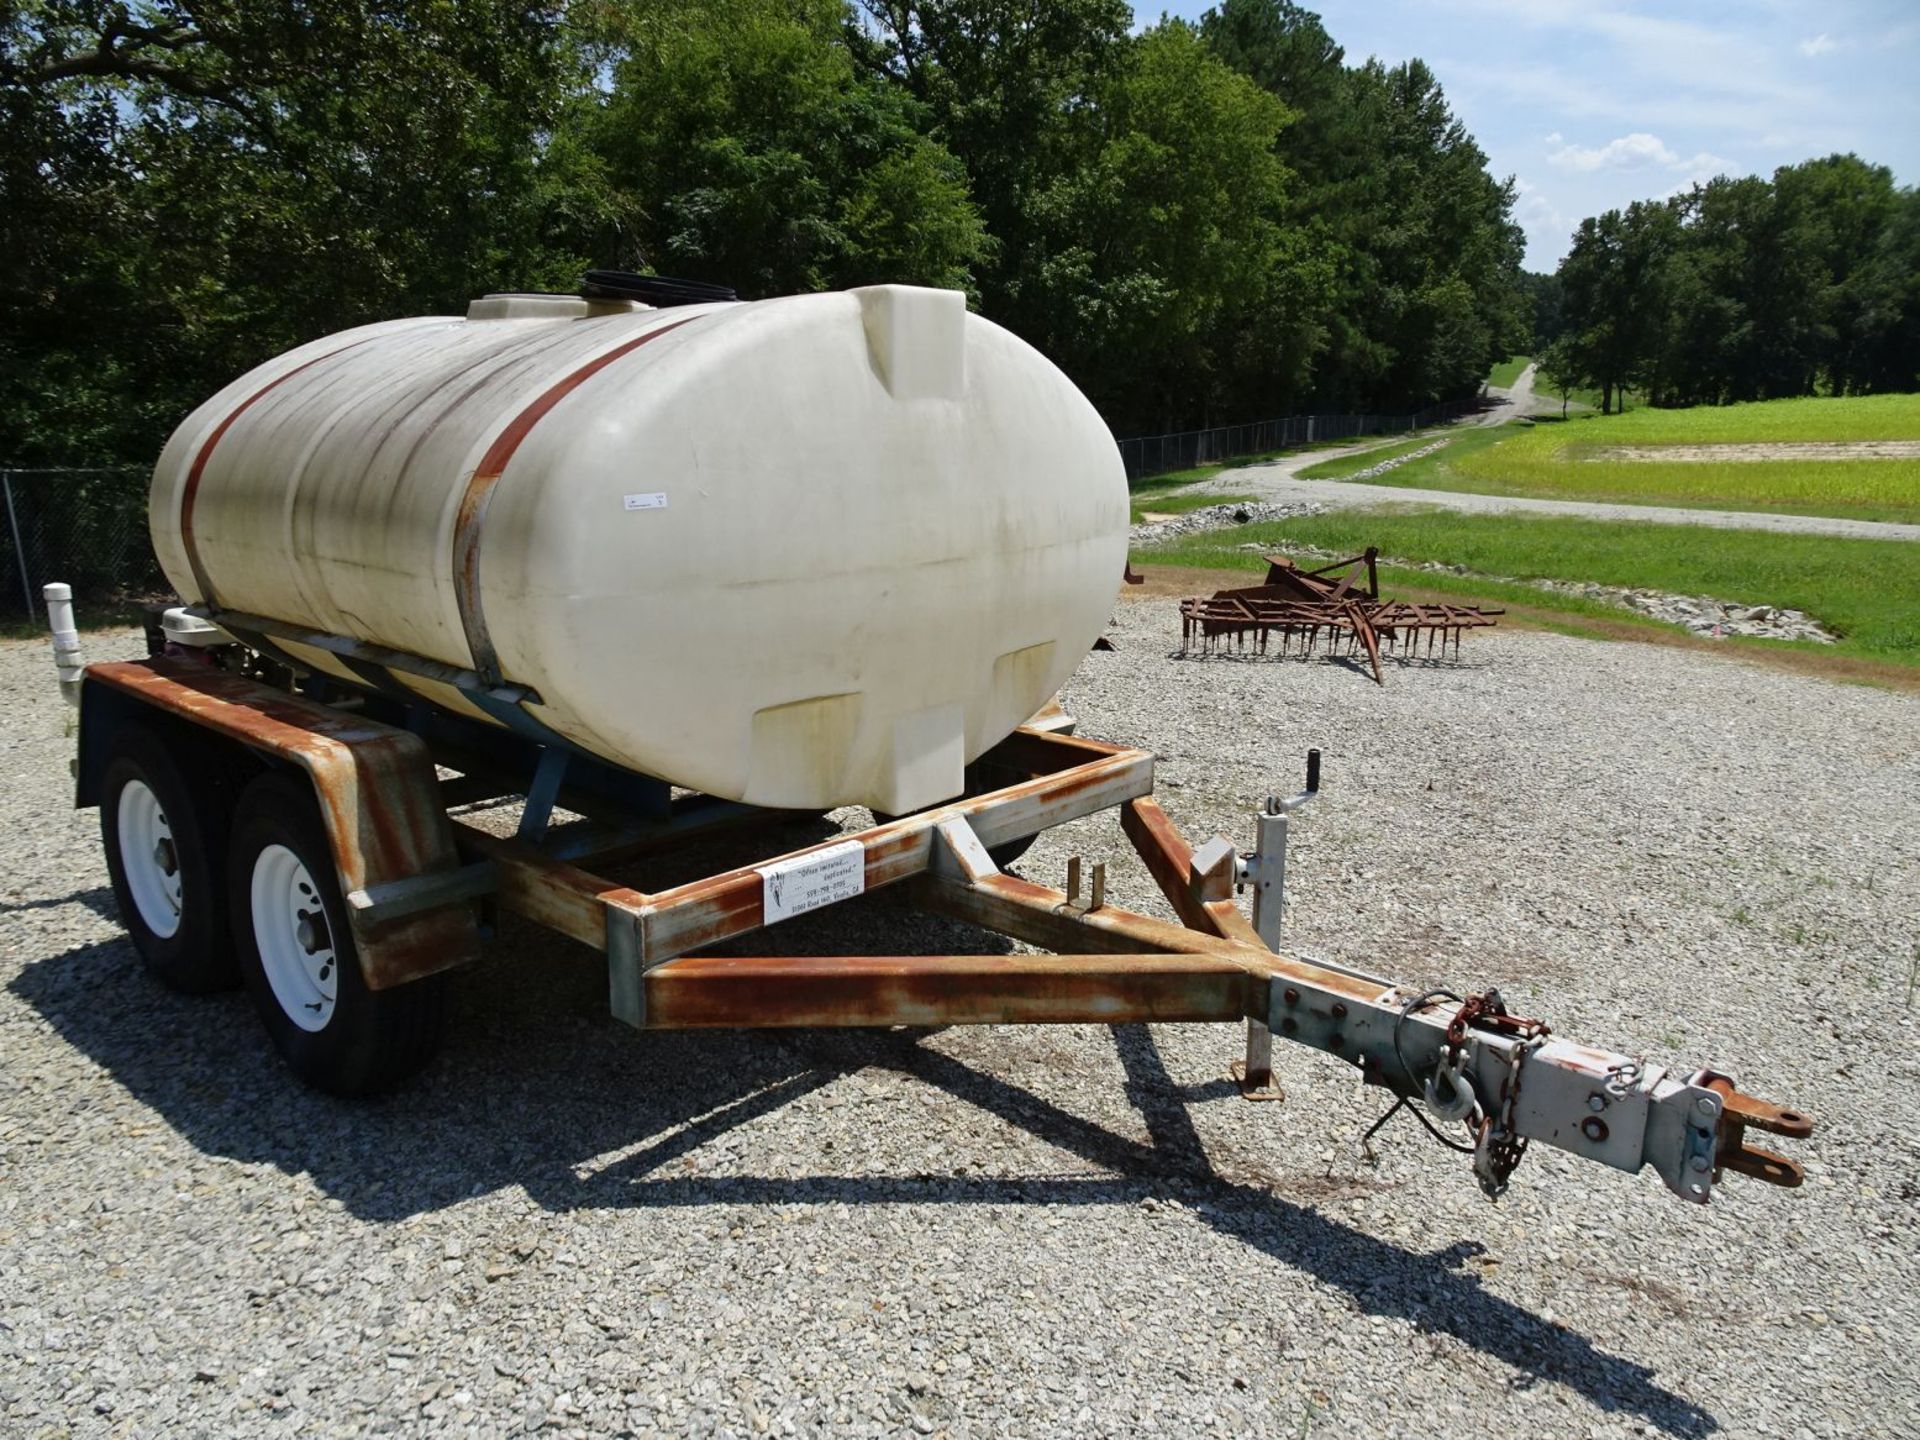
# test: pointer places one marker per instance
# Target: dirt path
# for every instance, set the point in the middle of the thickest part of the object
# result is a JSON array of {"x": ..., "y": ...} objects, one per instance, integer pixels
[
  {"x": 1279, "y": 484},
  {"x": 1289, "y": 466},
  {"x": 1514, "y": 400},
  {"x": 1509, "y": 403}
]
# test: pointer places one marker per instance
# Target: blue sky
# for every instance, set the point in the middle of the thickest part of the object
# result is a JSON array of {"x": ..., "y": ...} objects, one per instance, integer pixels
[{"x": 1589, "y": 106}]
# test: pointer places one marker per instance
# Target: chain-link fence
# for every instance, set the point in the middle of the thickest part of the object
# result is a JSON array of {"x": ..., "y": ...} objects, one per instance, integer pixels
[
  {"x": 1158, "y": 454},
  {"x": 87, "y": 527}
]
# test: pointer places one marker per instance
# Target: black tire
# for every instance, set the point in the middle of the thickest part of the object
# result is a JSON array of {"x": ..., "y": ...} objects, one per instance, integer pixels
[
  {"x": 356, "y": 1041},
  {"x": 191, "y": 819}
]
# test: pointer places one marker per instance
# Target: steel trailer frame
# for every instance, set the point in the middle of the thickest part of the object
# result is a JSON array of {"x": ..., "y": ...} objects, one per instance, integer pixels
[{"x": 419, "y": 880}]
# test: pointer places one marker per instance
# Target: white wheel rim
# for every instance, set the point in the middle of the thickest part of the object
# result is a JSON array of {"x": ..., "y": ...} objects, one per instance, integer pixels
[
  {"x": 294, "y": 937},
  {"x": 149, "y": 858}
]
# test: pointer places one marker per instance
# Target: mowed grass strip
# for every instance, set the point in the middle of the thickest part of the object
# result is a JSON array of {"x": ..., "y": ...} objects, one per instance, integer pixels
[
  {"x": 1866, "y": 590},
  {"x": 1884, "y": 490},
  {"x": 1853, "y": 417},
  {"x": 1549, "y": 460}
]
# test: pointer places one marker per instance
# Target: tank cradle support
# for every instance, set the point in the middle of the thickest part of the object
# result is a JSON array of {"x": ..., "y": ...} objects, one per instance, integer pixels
[{"x": 413, "y": 875}]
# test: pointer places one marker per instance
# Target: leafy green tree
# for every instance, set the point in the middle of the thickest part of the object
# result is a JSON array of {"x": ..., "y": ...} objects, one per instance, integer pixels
[
  {"x": 1545, "y": 304},
  {"x": 204, "y": 185},
  {"x": 1393, "y": 197},
  {"x": 1161, "y": 275},
  {"x": 1889, "y": 290},
  {"x": 1558, "y": 370},
  {"x": 1286, "y": 50},
  {"x": 1010, "y": 88},
  {"x": 757, "y": 155},
  {"x": 1842, "y": 205},
  {"x": 1617, "y": 281},
  {"x": 1751, "y": 289},
  {"x": 1439, "y": 287}
]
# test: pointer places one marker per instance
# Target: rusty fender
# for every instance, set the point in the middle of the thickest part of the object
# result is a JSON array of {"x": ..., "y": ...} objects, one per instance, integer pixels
[{"x": 376, "y": 786}]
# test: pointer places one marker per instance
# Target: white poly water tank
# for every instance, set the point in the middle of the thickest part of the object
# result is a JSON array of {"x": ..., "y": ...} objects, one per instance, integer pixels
[{"x": 801, "y": 552}]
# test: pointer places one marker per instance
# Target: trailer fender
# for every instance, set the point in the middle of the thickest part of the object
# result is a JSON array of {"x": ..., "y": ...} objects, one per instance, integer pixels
[{"x": 409, "y": 903}]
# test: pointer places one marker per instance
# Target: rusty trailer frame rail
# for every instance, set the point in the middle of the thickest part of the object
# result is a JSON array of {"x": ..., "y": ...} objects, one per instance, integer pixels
[{"x": 416, "y": 878}]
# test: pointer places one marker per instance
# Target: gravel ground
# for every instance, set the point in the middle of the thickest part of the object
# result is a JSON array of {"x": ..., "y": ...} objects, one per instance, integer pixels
[{"x": 570, "y": 1228}]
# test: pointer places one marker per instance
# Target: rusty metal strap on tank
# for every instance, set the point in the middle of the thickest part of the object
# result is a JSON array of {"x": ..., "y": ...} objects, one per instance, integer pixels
[
  {"x": 191, "y": 492},
  {"x": 471, "y": 519}
]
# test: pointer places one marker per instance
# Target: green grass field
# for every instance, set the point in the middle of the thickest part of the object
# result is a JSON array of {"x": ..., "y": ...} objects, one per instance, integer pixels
[
  {"x": 1508, "y": 370},
  {"x": 1867, "y": 590},
  {"x": 1855, "y": 417},
  {"x": 1558, "y": 460}
]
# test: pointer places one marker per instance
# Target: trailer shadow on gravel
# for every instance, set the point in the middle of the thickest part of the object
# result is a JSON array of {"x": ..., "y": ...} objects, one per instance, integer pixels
[
  {"x": 536, "y": 1087},
  {"x": 99, "y": 900}
]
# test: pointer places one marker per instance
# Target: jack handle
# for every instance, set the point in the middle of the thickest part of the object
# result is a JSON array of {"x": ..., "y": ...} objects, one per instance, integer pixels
[{"x": 1277, "y": 806}]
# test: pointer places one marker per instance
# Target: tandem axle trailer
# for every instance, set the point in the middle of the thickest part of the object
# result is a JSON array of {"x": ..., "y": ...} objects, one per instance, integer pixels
[{"x": 301, "y": 836}]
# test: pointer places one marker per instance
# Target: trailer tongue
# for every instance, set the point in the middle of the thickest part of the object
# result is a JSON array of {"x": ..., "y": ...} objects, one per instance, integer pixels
[{"x": 384, "y": 890}]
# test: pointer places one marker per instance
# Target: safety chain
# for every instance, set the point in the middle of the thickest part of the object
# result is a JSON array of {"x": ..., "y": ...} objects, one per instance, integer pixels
[
  {"x": 1489, "y": 1012},
  {"x": 1449, "y": 1091},
  {"x": 1497, "y": 1149}
]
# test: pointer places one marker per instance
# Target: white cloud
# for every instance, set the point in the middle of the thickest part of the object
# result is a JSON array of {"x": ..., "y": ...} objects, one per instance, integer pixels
[
  {"x": 1629, "y": 152},
  {"x": 1556, "y": 138},
  {"x": 1818, "y": 45},
  {"x": 1537, "y": 212},
  {"x": 1704, "y": 167},
  {"x": 1546, "y": 225},
  {"x": 1637, "y": 151}
]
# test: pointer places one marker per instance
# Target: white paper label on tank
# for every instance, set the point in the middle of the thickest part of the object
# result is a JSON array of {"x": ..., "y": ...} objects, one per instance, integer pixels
[
  {"x": 806, "y": 882},
  {"x": 655, "y": 501}
]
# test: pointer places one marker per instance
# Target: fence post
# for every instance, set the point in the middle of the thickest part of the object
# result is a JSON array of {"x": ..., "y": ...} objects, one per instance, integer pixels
[{"x": 19, "y": 545}]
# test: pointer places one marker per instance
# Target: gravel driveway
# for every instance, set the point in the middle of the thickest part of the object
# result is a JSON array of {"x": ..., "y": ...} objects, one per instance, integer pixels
[
  {"x": 1511, "y": 401},
  {"x": 1280, "y": 484},
  {"x": 569, "y": 1228}
]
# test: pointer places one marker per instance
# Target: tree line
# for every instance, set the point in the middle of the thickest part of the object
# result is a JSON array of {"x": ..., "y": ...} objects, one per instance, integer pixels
[
  {"x": 1200, "y": 222},
  {"x": 1742, "y": 289}
]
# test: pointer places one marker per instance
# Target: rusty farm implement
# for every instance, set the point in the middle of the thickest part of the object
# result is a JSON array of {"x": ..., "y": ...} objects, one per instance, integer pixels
[{"x": 1334, "y": 607}]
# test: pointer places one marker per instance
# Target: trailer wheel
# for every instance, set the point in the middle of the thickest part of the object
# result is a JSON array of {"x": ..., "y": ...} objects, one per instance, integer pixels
[
  {"x": 166, "y": 857},
  {"x": 298, "y": 957}
]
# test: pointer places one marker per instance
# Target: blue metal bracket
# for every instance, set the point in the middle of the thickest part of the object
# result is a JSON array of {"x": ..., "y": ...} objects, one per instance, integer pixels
[{"x": 545, "y": 789}]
